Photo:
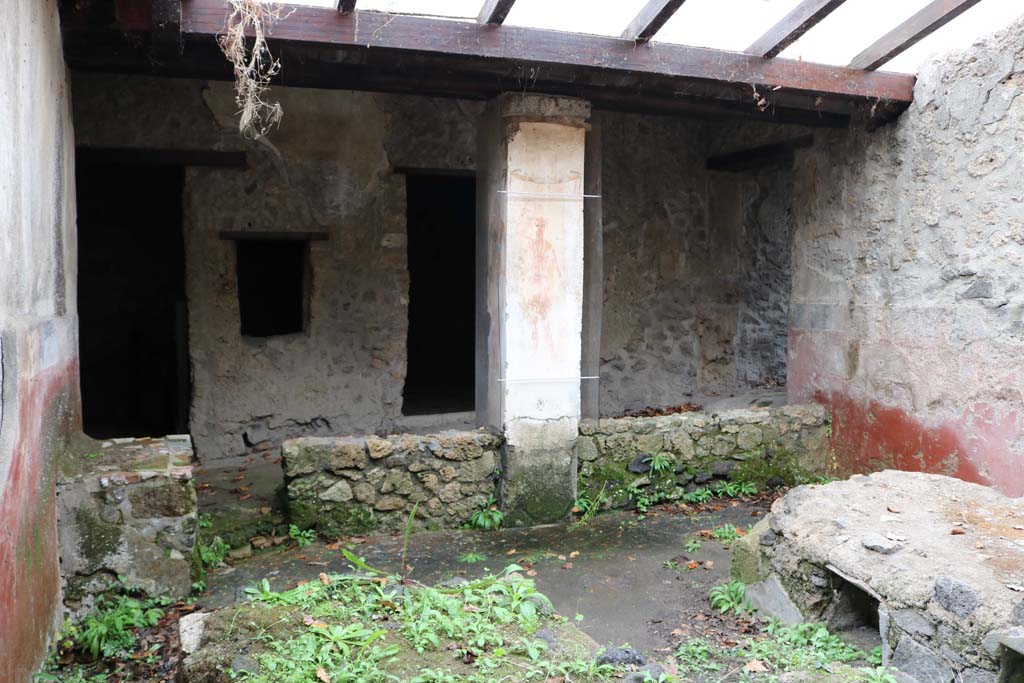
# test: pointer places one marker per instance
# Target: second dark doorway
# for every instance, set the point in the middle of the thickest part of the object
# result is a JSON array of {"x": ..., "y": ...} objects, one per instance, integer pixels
[{"x": 442, "y": 233}]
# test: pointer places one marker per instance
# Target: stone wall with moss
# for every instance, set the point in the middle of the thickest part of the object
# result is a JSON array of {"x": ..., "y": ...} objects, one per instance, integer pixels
[
  {"x": 126, "y": 509},
  {"x": 651, "y": 459},
  {"x": 345, "y": 485}
]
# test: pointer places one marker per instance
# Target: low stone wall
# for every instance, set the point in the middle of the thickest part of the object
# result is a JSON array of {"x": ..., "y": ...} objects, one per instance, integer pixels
[
  {"x": 929, "y": 567},
  {"x": 777, "y": 445},
  {"x": 127, "y": 508},
  {"x": 345, "y": 485}
]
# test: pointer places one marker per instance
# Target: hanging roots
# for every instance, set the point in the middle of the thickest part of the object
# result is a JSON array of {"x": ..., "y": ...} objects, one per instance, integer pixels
[{"x": 254, "y": 66}]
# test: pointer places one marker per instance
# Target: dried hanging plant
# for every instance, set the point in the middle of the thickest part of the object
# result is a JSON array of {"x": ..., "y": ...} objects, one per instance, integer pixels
[{"x": 254, "y": 66}]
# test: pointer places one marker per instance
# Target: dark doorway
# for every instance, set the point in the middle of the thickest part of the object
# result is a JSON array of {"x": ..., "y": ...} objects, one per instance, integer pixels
[
  {"x": 133, "y": 339},
  {"x": 442, "y": 234}
]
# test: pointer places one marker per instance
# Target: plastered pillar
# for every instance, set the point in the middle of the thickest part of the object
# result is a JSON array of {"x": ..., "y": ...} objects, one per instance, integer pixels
[{"x": 530, "y": 251}]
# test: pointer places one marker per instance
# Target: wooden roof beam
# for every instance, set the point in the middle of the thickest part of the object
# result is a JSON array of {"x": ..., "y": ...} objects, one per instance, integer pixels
[
  {"x": 650, "y": 19},
  {"x": 494, "y": 11},
  {"x": 346, "y": 5},
  {"x": 931, "y": 18},
  {"x": 790, "y": 28}
]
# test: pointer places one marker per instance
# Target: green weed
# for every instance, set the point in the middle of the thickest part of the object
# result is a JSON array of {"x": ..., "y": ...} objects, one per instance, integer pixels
[
  {"x": 302, "y": 537},
  {"x": 489, "y": 517},
  {"x": 730, "y": 597}
]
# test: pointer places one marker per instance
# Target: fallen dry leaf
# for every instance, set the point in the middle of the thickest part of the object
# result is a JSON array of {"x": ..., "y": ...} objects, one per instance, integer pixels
[
  {"x": 324, "y": 579},
  {"x": 709, "y": 565},
  {"x": 238, "y": 477},
  {"x": 265, "y": 510},
  {"x": 756, "y": 666},
  {"x": 567, "y": 565},
  {"x": 893, "y": 510},
  {"x": 1015, "y": 588},
  {"x": 574, "y": 554},
  {"x": 561, "y": 558},
  {"x": 531, "y": 572},
  {"x": 511, "y": 552},
  {"x": 322, "y": 675},
  {"x": 630, "y": 558},
  {"x": 957, "y": 531},
  {"x": 692, "y": 564},
  {"x": 245, "y": 496}
]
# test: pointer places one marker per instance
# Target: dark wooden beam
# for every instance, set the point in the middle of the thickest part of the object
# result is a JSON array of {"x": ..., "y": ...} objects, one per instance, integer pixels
[
  {"x": 138, "y": 156},
  {"x": 256, "y": 235},
  {"x": 166, "y": 28},
  {"x": 790, "y": 28},
  {"x": 494, "y": 11},
  {"x": 928, "y": 20},
  {"x": 701, "y": 72},
  {"x": 650, "y": 19},
  {"x": 346, "y": 5},
  {"x": 753, "y": 158},
  {"x": 443, "y": 172}
]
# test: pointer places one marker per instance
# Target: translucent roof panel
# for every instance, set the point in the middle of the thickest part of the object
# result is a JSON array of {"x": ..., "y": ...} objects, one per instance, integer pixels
[
  {"x": 723, "y": 24},
  {"x": 597, "y": 17},
  {"x": 857, "y": 24}
]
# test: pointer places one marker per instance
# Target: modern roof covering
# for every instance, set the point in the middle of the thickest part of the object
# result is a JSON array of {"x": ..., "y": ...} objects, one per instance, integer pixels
[{"x": 610, "y": 52}]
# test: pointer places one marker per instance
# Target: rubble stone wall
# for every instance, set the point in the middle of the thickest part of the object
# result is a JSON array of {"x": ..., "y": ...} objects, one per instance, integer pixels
[
  {"x": 907, "y": 311},
  {"x": 929, "y": 567},
  {"x": 778, "y": 445},
  {"x": 345, "y": 485},
  {"x": 126, "y": 509},
  {"x": 696, "y": 263}
]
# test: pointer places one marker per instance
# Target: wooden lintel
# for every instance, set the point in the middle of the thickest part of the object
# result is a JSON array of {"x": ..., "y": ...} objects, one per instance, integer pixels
[
  {"x": 757, "y": 157},
  {"x": 346, "y": 5},
  {"x": 690, "y": 69},
  {"x": 165, "y": 36},
  {"x": 650, "y": 19},
  {"x": 931, "y": 18},
  {"x": 288, "y": 235},
  {"x": 140, "y": 156},
  {"x": 790, "y": 28},
  {"x": 494, "y": 11}
]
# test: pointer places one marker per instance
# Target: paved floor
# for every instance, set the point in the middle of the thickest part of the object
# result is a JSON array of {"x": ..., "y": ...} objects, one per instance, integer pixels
[{"x": 612, "y": 571}]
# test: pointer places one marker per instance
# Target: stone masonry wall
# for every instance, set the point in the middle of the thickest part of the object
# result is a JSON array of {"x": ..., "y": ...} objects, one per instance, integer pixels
[
  {"x": 696, "y": 268},
  {"x": 346, "y": 485},
  {"x": 330, "y": 166},
  {"x": 907, "y": 313},
  {"x": 39, "y": 398},
  {"x": 764, "y": 446}
]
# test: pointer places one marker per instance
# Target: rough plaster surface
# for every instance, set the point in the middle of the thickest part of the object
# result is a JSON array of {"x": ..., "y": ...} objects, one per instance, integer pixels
[
  {"x": 948, "y": 604},
  {"x": 38, "y": 344},
  {"x": 907, "y": 312},
  {"x": 696, "y": 272},
  {"x": 328, "y": 167}
]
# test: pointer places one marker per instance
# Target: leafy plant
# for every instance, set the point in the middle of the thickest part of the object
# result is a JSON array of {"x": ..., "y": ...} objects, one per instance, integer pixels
[
  {"x": 726, "y": 533},
  {"x": 879, "y": 674},
  {"x": 730, "y": 597},
  {"x": 212, "y": 554},
  {"x": 111, "y": 628},
  {"x": 700, "y": 495},
  {"x": 489, "y": 517},
  {"x": 589, "y": 506},
  {"x": 660, "y": 463},
  {"x": 696, "y": 655},
  {"x": 472, "y": 557},
  {"x": 302, "y": 537},
  {"x": 205, "y": 520},
  {"x": 693, "y": 545},
  {"x": 804, "y": 646}
]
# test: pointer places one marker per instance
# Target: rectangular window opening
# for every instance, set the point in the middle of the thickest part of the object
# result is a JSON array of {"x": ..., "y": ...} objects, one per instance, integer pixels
[
  {"x": 441, "y": 215},
  {"x": 273, "y": 286}
]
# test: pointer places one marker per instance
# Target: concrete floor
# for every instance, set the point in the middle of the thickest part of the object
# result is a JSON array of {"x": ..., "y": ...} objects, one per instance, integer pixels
[{"x": 611, "y": 570}]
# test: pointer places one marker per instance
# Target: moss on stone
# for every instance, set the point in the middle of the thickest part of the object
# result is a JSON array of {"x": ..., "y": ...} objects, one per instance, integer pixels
[
  {"x": 97, "y": 539},
  {"x": 341, "y": 519},
  {"x": 748, "y": 563},
  {"x": 771, "y": 463}
]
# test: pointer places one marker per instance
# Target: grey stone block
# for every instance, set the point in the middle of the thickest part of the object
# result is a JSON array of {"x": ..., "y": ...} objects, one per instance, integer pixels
[
  {"x": 956, "y": 596},
  {"x": 771, "y": 599},
  {"x": 918, "y": 661}
]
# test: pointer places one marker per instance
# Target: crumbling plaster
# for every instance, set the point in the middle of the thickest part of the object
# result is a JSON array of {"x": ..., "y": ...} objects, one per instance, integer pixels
[
  {"x": 38, "y": 325},
  {"x": 908, "y": 306}
]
